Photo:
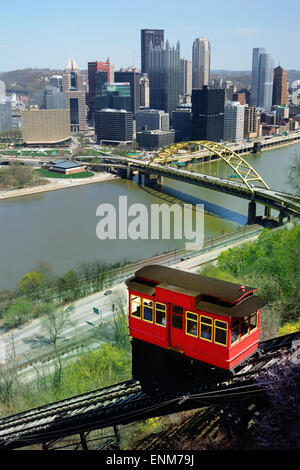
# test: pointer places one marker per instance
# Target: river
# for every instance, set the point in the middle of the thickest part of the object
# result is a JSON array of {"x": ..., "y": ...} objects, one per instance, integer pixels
[{"x": 59, "y": 227}]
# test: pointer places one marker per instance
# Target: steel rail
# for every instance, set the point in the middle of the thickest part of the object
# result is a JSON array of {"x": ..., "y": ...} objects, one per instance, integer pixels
[{"x": 125, "y": 402}]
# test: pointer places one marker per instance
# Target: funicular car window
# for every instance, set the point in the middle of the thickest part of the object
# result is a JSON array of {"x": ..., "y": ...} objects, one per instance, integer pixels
[
  {"x": 135, "y": 306},
  {"x": 244, "y": 326},
  {"x": 192, "y": 324},
  {"x": 205, "y": 328},
  {"x": 148, "y": 310},
  {"x": 177, "y": 317},
  {"x": 235, "y": 328},
  {"x": 221, "y": 332},
  {"x": 160, "y": 314},
  {"x": 253, "y": 321}
]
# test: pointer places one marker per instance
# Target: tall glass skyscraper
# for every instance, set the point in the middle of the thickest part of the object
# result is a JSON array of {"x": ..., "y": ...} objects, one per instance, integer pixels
[
  {"x": 164, "y": 76},
  {"x": 262, "y": 78},
  {"x": 156, "y": 37},
  {"x": 200, "y": 63}
]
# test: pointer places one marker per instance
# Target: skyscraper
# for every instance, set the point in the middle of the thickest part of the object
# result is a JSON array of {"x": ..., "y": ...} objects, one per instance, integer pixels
[
  {"x": 185, "y": 77},
  {"x": 279, "y": 87},
  {"x": 75, "y": 96},
  {"x": 93, "y": 68},
  {"x": 114, "y": 126},
  {"x": 164, "y": 77},
  {"x": 201, "y": 62},
  {"x": 234, "y": 115},
  {"x": 208, "y": 114},
  {"x": 156, "y": 37},
  {"x": 144, "y": 91},
  {"x": 262, "y": 79},
  {"x": 131, "y": 76},
  {"x": 114, "y": 96},
  {"x": 50, "y": 98}
]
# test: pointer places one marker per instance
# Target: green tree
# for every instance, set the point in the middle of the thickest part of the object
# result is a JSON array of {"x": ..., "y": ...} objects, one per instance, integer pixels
[
  {"x": 31, "y": 284},
  {"x": 18, "y": 312}
]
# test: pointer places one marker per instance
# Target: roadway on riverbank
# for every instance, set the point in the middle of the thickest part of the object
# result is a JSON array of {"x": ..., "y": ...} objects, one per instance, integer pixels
[{"x": 31, "y": 339}]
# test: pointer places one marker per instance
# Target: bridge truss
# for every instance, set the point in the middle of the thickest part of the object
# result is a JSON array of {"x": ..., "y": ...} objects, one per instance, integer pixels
[{"x": 207, "y": 153}]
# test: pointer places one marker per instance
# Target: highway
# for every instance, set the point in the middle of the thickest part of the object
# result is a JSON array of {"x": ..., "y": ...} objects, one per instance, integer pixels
[
  {"x": 30, "y": 339},
  {"x": 33, "y": 337}
]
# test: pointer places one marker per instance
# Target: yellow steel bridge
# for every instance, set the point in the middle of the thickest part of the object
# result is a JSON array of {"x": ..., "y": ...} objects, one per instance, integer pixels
[{"x": 209, "y": 155}]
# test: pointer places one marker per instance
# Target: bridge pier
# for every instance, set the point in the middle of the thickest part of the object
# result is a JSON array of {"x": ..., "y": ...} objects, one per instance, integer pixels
[
  {"x": 150, "y": 181},
  {"x": 281, "y": 215},
  {"x": 268, "y": 211},
  {"x": 129, "y": 174},
  {"x": 251, "y": 213},
  {"x": 125, "y": 174},
  {"x": 140, "y": 177}
]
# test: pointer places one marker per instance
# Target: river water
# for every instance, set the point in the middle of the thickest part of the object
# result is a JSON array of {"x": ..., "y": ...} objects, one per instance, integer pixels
[{"x": 59, "y": 227}]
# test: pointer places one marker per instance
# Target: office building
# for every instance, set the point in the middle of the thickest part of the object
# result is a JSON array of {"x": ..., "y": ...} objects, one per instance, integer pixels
[
  {"x": 164, "y": 77},
  {"x": 185, "y": 77},
  {"x": 234, "y": 114},
  {"x": 151, "y": 119},
  {"x": 75, "y": 96},
  {"x": 114, "y": 96},
  {"x": 114, "y": 126},
  {"x": 182, "y": 124},
  {"x": 279, "y": 87},
  {"x": 156, "y": 38},
  {"x": 56, "y": 81},
  {"x": 208, "y": 114},
  {"x": 155, "y": 139},
  {"x": 132, "y": 76},
  {"x": 93, "y": 68},
  {"x": 262, "y": 79},
  {"x": 46, "y": 126},
  {"x": 200, "y": 63},
  {"x": 251, "y": 122},
  {"x": 2, "y": 89},
  {"x": 100, "y": 81},
  {"x": 6, "y": 122},
  {"x": 50, "y": 98},
  {"x": 240, "y": 97},
  {"x": 281, "y": 114},
  {"x": 144, "y": 91}
]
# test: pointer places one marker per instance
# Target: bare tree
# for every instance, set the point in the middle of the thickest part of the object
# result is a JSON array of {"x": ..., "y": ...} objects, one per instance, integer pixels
[
  {"x": 120, "y": 317},
  {"x": 53, "y": 323}
]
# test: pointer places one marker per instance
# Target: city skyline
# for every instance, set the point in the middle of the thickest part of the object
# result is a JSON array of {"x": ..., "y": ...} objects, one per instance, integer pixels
[{"x": 233, "y": 30}]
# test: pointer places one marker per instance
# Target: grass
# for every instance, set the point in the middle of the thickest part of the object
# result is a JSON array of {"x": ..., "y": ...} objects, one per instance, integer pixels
[{"x": 51, "y": 174}]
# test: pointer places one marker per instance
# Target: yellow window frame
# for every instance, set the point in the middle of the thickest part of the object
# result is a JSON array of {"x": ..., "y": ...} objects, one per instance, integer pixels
[
  {"x": 220, "y": 328},
  {"x": 250, "y": 316},
  {"x": 147, "y": 300},
  {"x": 207, "y": 324},
  {"x": 245, "y": 334},
  {"x": 131, "y": 302},
  {"x": 195, "y": 321},
  {"x": 160, "y": 310}
]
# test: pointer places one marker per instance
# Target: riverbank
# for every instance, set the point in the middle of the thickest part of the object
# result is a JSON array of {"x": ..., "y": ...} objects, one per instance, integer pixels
[{"x": 54, "y": 185}]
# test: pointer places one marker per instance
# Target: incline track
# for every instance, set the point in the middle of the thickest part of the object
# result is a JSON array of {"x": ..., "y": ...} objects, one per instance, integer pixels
[{"x": 125, "y": 402}]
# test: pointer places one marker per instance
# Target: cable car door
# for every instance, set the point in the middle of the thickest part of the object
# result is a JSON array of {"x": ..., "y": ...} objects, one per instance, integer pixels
[{"x": 176, "y": 327}]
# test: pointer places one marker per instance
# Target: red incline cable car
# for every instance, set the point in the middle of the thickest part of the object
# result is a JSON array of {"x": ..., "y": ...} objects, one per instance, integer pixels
[{"x": 185, "y": 326}]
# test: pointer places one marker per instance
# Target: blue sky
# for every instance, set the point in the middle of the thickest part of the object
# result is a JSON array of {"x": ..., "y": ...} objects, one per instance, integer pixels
[{"x": 45, "y": 33}]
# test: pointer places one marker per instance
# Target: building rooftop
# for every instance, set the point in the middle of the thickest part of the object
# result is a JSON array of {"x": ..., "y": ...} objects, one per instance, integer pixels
[{"x": 65, "y": 164}]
